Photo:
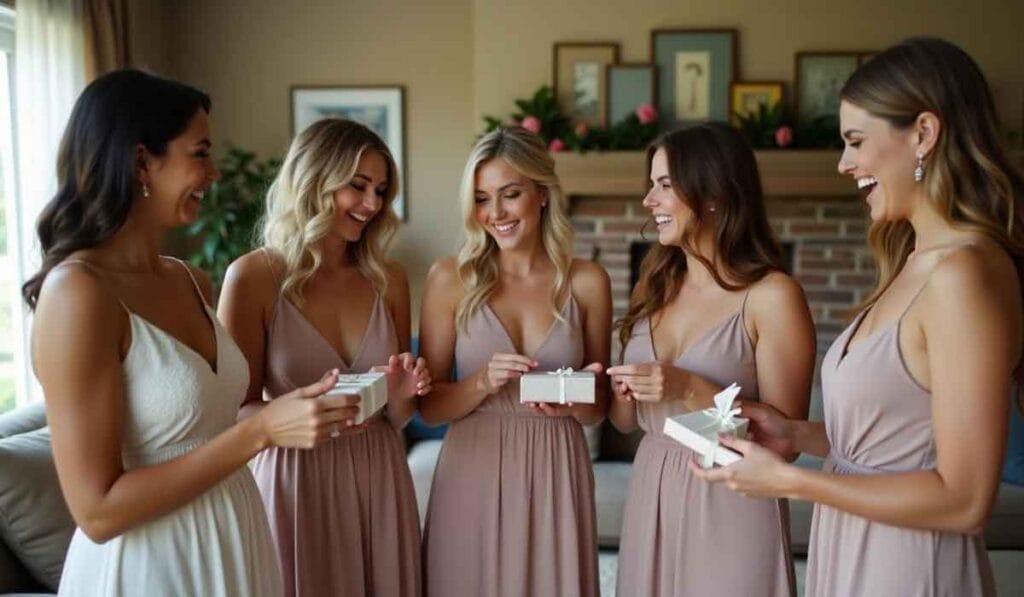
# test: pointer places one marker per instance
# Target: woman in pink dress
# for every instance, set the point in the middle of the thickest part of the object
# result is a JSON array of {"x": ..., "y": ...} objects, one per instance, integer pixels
[
  {"x": 320, "y": 293},
  {"x": 512, "y": 504},
  {"x": 915, "y": 390},
  {"x": 712, "y": 307}
]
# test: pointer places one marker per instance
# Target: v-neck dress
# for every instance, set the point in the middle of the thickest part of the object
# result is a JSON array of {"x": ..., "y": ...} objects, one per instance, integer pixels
[
  {"x": 879, "y": 421},
  {"x": 343, "y": 513},
  {"x": 682, "y": 536},
  {"x": 511, "y": 508},
  {"x": 218, "y": 544}
]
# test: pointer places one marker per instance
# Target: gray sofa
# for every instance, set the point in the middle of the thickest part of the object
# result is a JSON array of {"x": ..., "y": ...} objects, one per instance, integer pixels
[{"x": 35, "y": 525}]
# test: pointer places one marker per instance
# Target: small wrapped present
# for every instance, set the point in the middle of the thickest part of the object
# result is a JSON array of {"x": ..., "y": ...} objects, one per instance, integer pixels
[
  {"x": 372, "y": 389},
  {"x": 699, "y": 430},
  {"x": 560, "y": 386}
]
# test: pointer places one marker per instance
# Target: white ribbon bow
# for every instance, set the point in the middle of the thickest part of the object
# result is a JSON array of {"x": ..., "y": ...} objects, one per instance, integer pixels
[
  {"x": 562, "y": 373},
  {"x": 723, "y": 414}
]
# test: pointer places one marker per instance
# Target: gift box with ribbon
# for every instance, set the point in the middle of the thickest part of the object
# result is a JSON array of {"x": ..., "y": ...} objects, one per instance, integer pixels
[
  {"x": 699, "y": 430},
  {"x": 560, "y": 386},
  {"x": 372, "y": 389}
]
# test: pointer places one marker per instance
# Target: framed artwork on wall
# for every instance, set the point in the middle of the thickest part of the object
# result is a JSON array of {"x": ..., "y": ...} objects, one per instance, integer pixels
[
  {"x": 381, "y": 108},
  {"x": 629, "y": 85},
  {"x": 817, "y": 79},
  {"x": 579, "y": 79},
  {"x": 746, "y": 97},
  {"x": 694, "y": 70}
]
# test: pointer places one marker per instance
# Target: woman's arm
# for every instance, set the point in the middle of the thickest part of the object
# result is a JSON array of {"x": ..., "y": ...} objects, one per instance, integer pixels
[
  {"x": 972, "y": 329},
  {"x": 400, "y": 408},
  {"x": 784, "y": 348},
  {"x": 78, "y": 335},
  {"x": 448, "y": 400},
  {"x": 246, "y": 305}
]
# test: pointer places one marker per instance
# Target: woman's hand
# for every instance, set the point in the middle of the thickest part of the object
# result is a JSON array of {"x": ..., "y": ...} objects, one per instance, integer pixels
[
  {"x": 568, "y": 409},
  {"x": 502, "y": 369},
  {"x": 304, "y": 417},
  {"x": 770, "y": 428},
  {"x": 649, "y": 382},
  {"x": 761, "y": 472},
  {"x": 407, "y": 375}
]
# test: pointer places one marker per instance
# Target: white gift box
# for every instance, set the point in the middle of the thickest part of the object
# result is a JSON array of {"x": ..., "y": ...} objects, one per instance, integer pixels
[
  {"x": 372, "y": 389},
  {"x": 560, "y": 387},
  {"x": 699, "y": 430}
]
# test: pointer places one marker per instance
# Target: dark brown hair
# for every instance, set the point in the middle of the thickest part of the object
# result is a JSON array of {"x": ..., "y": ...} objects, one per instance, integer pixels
[
  {"x": 708, "y": 164},
  {"x": 96, "y": 161}
]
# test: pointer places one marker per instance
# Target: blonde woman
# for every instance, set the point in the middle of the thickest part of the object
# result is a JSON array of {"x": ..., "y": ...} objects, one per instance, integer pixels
[
  {"x": 512, "y": 505},
  {"x": 320, "y": 294},
  {"x": 915, "y": 390}
]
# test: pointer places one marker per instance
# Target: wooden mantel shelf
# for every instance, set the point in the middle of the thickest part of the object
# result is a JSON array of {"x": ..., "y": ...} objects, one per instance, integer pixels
[{"x": 788, "y": 172}]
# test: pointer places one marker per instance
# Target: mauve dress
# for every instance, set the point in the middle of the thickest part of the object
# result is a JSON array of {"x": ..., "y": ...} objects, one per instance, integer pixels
[
  {"x": 682, "y": 536},
  {"x": 879, "y": 421},
  {"x": 343, "y": 514},
  {"x": 511, "y": 508}
]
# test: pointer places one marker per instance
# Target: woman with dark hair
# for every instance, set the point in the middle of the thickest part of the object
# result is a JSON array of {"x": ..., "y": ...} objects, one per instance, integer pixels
[
  {"x": 142, "y": 384},
  {"x": 915, "y": 390},
  {"x": 712, "y": 306}
]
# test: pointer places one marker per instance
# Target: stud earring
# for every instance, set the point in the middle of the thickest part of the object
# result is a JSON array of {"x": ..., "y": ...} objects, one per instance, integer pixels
[
  {"x": 712, "y": 208},
  {"x": 919, "y": 171},
  {"x": 145, "y": 190}
]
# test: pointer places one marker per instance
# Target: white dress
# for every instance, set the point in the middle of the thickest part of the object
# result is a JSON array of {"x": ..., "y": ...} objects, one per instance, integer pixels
[{"x": 217, "y": 545}]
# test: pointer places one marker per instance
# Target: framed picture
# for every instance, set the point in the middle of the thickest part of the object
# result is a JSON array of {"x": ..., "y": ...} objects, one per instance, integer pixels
[
  {"x": 379, "y": 108},
  {"x": 579, "y": 80},
  {"x": 629, "y": 85},
  {"x": 694, "y": 68},
  {"x": 818, "y": 78},
  {"x": 746, "y": 97}
]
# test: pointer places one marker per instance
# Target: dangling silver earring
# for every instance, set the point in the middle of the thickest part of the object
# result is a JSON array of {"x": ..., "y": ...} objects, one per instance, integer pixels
[
  {"x": 919, "y": 171},
  {"x": 145, "y": 190}
]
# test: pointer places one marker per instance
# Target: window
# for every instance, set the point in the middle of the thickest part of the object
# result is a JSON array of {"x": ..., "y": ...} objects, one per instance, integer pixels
[{"x": 10, "y": 307}]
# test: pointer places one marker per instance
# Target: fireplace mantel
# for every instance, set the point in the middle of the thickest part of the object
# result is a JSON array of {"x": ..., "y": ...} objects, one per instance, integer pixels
[{"x": 791, "y": 172}]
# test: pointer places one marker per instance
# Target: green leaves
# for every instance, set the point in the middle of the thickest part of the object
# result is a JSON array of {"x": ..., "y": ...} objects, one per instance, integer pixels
[
  {"x": 231, "y": 209},
  {"x": 760, "y": 126}
]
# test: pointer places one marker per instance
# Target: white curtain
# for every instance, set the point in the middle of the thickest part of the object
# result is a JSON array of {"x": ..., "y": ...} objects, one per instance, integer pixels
[{"x": 49, "y": 74}]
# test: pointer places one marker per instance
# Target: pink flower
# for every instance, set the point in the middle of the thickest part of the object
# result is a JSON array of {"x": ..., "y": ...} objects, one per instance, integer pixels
[
  {"x": 582, "y": 130},
  {"x": 646, "y": 113},
  {"x": 783, "y": 136},
  {"x": 531, "y": 123},
  {"x": 556, "y": 145}
]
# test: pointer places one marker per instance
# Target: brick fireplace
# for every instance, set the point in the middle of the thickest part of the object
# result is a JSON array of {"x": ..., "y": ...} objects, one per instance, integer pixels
[{"x": 813, "y": 210}]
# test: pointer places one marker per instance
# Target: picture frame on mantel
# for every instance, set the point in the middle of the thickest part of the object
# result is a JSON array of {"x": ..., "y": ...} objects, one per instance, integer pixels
[
  {"x": 695, "y": 68},
  {"x": 381, "y": 108},
  {"x": 746, "y": 97},
  {"x": 630, "y": 84},
  {"x": 579, "y": 79},
  {"x": 818, "y": 76}
]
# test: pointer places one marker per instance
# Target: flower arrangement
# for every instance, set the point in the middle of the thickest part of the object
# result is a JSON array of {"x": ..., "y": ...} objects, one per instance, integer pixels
[
  {"x": 767, "y": 127},
  {"x": 541, "y": 115}
]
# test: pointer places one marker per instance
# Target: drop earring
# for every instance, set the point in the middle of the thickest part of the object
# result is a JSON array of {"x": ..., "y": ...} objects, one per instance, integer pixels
[
  {"x": 919, "y": 171},
  {"x": 145, "y": 190},
  {"x": 712, "y": 208}
]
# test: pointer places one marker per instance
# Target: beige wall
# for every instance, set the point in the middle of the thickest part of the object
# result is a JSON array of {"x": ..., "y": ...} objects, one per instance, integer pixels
[
  {"x": 459, "y": 59},
  {"x": 246, "y": 55},
  {"x": 770, "y": 32}
]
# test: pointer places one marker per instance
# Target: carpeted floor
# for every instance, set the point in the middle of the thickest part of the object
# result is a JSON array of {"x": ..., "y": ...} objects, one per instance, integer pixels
[{"x": 1008, "y": 567}]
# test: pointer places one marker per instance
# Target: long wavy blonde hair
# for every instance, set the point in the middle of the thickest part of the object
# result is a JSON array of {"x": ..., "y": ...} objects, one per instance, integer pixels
[
  {"x": 477, "y": 260},
  {"x": 300, "y": 203}
]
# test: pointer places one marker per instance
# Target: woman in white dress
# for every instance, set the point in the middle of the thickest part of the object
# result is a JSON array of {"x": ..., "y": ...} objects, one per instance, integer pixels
[{"x": 142, "y": 384}]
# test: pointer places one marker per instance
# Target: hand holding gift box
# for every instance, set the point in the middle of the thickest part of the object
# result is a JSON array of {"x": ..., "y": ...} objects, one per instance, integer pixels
[
  {"x": 562, "y": 386},
  {"x": 699, "y": 430},
  {"x": 371, "y": 387}
]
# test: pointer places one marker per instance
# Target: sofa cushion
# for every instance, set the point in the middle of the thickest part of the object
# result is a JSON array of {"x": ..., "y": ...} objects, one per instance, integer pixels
[
  {"x": 13, "y": 576},
  {"x": 34, "y": 520},
  {"x": 22, "y": 420}
]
